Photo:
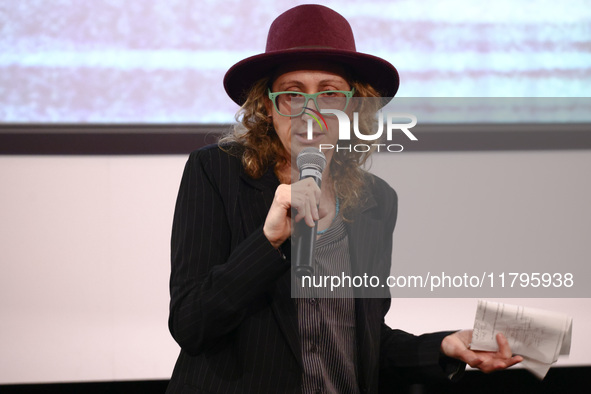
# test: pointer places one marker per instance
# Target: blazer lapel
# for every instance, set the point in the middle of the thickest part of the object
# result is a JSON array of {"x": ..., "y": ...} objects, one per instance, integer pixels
[{"x": 364, "y": 234}]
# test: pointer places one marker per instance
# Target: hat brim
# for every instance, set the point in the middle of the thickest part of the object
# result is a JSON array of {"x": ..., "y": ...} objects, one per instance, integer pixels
[{"x": 379, "y": 73}]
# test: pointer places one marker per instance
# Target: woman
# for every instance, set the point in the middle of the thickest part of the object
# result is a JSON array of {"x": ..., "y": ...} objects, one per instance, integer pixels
[{"x": 231, "y": 309}]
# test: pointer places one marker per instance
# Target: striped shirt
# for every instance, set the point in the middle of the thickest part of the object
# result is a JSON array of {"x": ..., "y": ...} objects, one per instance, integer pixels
[{"x": 326, "y": 320}]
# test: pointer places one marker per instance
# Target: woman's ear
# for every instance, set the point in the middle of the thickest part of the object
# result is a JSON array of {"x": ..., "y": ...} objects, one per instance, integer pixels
[{"x": 269, "y": 107}]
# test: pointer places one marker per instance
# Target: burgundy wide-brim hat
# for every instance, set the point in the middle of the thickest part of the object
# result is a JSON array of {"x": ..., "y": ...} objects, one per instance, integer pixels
[{"x": 310, "y": 32}]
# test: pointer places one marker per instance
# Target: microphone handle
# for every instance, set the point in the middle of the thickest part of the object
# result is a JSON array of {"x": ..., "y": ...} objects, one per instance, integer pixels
[{"x": 304, "y": 241}]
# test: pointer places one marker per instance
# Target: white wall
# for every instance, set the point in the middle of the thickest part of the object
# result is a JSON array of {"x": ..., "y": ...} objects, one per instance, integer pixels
[
  {"x": 84, "y": 254},
  {"x": 85, "y": 266}
]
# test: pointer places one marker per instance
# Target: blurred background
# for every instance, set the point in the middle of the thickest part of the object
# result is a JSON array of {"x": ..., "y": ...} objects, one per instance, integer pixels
[{"x": 163, "y": 61}]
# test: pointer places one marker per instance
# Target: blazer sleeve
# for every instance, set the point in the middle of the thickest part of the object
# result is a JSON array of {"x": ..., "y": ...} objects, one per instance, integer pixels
[
  {"x": 212, "y": 286},
  {"x": 415, "y": 359}
]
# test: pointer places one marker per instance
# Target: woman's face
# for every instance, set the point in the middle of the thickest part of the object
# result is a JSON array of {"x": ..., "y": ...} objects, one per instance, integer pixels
[{"x": 309, "y": 78}]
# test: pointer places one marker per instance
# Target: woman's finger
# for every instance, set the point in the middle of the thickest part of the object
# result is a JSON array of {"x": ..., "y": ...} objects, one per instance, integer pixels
[{"x": 504, "y": 348}]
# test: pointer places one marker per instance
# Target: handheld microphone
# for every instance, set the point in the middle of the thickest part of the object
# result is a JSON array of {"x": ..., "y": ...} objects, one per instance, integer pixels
[{"x": 311, "y": 163}]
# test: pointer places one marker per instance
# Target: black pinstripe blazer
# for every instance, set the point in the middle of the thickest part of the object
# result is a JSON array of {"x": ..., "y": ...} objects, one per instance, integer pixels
[{"x": 231, "y": 310}]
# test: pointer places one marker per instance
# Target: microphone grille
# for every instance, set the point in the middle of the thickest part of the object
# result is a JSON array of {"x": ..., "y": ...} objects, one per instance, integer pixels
[{"x": 311, "y": 157}]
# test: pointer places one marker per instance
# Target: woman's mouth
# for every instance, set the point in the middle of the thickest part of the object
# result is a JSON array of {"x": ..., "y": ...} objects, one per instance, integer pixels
[{"x": 303, "y": 137}]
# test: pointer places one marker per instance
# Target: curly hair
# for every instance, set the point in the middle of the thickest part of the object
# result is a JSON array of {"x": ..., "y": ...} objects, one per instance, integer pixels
[{"x": 259, "y": 146}]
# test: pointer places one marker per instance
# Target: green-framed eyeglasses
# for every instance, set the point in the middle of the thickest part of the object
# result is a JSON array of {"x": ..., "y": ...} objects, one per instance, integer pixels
[{"x": 294, "y": 103}]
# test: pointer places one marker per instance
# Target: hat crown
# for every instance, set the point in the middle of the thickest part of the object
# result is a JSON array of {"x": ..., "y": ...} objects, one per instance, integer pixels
[
  {"x": 315, "y": 33},
  {"x": 310, "y": 26}
]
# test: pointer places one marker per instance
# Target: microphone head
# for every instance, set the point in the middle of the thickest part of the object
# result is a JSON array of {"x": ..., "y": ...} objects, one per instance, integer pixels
[{"x": 311, "y": 158}]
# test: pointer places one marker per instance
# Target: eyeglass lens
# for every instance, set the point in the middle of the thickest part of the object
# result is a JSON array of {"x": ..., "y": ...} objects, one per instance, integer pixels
[{"x": 293, "y": 103}]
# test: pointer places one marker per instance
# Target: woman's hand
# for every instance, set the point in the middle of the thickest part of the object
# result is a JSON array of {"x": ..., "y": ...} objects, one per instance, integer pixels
[
  {"x": 303, "y": 196},
  {"x": 456, "y": 346}
]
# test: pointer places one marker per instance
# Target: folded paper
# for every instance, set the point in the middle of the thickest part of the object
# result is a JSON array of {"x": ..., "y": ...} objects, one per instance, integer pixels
[{"x": 538, "y": 335}]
